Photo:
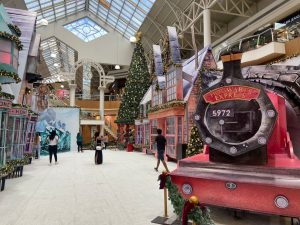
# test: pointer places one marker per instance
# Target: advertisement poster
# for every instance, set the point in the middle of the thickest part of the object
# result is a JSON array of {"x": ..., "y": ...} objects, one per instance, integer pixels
[{"x": 65, "y": 121}]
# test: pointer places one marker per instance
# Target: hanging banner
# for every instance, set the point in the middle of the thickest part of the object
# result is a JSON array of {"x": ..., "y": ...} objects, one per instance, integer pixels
[
  {"x": 159, "y": 67},
  {"x": 174, "y": 45}
]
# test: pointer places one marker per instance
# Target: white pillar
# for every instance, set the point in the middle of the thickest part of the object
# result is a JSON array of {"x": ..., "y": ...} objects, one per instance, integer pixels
[
  {"x": 101, "y": 108},
  {"x": 207, "y": 26},
  {"x": 72, "y": 94}
]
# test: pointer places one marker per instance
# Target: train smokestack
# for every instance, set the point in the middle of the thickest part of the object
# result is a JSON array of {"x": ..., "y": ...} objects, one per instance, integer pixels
[{"x": 232, "y": 65}]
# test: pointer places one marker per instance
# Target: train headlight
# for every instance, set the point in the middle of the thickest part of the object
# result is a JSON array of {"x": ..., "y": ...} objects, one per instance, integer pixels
[
  {"x": 281, "y": 202},
  {"x": 187, "y": 189}
]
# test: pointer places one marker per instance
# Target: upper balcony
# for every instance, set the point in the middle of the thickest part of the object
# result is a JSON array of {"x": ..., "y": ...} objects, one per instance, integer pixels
[{"x": 258, "y": 49}]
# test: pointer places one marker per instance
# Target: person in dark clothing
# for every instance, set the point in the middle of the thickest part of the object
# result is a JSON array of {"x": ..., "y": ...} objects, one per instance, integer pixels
[
  {"x": 79, "y": 141},
  {"x": 52, "y": 140},
  {"x": 161, "y": 145},
  {"x": 99, "y": 147}
]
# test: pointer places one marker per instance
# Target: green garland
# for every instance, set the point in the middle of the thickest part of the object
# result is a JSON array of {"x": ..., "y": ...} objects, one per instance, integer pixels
[
  {"x": 166, "y": 106},
  {"x": 15, "y": 29},
  {"x": 6, "y": 170},
  {"x": 13, "y": 38},
  {"x": 6, "y": 96},
  {"x": 13, "y": 75},
  {"x": 197, "y": 215}
]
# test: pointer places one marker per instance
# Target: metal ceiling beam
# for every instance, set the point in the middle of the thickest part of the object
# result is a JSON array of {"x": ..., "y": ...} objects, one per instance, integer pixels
[{"x": 240, "y": 8}]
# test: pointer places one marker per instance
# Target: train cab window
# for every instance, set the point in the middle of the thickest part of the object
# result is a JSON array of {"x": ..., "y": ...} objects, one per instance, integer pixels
[{"x": 233, "y": 121}]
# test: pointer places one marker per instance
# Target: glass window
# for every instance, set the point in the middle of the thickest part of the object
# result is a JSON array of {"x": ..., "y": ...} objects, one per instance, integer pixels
[
  {"x": 5, "y": 45},
  {"x": 156, "y": 96},
  {"x": 153, "y": 134},
  {"x": 5, "y": 58},
  {"x": 171, "y": 86},
  {"x": 147, "y": 134},
  {"x": 170, "y": 124},
  {"x": 179, "y": 132}
]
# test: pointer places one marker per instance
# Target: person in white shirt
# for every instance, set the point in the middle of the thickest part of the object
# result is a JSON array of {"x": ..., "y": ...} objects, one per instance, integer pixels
[{"x": 52, "y": 140}]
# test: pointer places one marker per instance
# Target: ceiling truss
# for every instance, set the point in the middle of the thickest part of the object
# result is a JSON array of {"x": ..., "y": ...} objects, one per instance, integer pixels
[{"x": 193, "y": 15}]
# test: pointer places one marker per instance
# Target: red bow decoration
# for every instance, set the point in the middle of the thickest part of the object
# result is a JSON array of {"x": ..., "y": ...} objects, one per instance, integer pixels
[
  {"x": 163, "y": 178},
  {"x": 189, "y": 205}
]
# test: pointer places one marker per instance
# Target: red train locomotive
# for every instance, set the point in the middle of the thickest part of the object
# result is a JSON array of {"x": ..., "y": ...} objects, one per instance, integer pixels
[{"x": 248, "y": 162}]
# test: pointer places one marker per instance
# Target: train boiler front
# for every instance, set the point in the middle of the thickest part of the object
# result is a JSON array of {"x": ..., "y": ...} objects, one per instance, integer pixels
[{"x": 235, "y": 117}]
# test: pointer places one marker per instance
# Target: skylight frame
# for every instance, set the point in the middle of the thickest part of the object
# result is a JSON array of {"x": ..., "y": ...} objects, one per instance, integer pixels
[
  {"x": 77, "y": 28},
  {"x": 53, "y": 10}
]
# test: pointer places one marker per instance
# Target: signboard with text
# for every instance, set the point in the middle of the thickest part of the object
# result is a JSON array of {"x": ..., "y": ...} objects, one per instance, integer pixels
[
  {"x": 5, "y": 104},
  {"x": 18, "y": 112}
]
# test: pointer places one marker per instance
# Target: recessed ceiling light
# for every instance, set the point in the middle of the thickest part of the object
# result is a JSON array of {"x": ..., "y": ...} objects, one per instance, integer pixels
[
  {"x": 53, "y": 55},
  {"x": 56, "y": 65},
  {"x": 117, "y": 67},
  {"x": 132, "y": 39}
]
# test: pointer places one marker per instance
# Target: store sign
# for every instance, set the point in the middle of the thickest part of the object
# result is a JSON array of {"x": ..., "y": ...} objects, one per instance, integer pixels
[
  {"x": 233, "y": 92},
  {"x": 5, "y": 104},
  {"x": 17, "y": 112},
  {"x": 292, "y": 19}
]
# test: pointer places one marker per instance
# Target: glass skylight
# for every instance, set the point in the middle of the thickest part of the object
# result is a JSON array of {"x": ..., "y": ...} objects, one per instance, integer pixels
[
  {"x": 53, "y": 10},
  {"x": 125, "y": 16},
  {"x": 86, "y": 29}
]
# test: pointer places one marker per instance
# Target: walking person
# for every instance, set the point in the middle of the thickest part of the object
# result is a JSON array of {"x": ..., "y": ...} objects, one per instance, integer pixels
[
  {"x": 37, "y": 145},
  {"x": 161, "y": 145},
  {"x": 79, "y": 140},
  {"x": 52, "y": 140},
  {"x": 99, "y": 147}
]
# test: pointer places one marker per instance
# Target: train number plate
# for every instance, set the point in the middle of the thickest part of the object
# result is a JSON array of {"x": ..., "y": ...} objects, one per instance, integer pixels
[{"x": 222, "y": 113}]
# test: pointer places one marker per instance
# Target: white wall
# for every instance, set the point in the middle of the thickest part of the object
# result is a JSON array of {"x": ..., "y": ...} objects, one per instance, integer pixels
[{"x": 111, "y": 48}]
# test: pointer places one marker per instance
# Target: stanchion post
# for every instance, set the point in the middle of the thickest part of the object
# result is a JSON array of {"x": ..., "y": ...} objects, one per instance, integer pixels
[{"x": 165, "y": 202}]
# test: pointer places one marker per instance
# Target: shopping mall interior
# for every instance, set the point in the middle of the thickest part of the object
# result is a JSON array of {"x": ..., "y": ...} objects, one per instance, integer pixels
[{"x": 139, "y": 112}]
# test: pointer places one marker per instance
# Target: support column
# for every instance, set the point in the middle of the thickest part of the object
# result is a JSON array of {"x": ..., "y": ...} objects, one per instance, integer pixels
[
  {"x": 207, "y": 26},
  {"x": 72, "y": 94},
  {"x": 101, "y": 108}
]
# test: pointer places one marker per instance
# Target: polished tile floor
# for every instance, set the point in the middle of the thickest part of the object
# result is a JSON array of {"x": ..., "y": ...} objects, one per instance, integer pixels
[{"x": 122, "y": 191}]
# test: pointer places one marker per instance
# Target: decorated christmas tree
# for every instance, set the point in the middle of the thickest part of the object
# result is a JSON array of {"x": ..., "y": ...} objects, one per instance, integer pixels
[
  {"x": 195, "y": 144},
  {"x": 137, "y": 84}
]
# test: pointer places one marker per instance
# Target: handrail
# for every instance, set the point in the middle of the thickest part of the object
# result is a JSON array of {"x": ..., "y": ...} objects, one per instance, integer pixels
[
  {"x": 93, "y": 97},
  {"x": 252, "y": 42}
]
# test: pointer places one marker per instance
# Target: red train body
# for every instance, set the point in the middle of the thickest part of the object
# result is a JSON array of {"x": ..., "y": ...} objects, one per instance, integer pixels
[{"x": 271, "y": 187}]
